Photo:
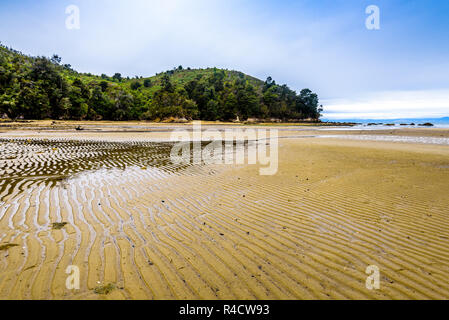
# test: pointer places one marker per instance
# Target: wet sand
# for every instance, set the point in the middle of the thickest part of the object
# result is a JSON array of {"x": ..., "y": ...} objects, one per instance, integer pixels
[{"x": 152, "y": 230}]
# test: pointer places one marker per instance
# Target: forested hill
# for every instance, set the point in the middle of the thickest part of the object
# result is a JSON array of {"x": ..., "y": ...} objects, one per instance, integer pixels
[{"x": 43, "y": 88}]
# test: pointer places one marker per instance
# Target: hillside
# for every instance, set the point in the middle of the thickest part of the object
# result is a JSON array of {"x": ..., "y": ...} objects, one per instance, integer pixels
[{"x": 43, "y": 88}]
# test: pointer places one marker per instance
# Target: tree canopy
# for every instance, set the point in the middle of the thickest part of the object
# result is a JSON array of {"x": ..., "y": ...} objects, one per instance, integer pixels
[{"x": 43, "y": 88}]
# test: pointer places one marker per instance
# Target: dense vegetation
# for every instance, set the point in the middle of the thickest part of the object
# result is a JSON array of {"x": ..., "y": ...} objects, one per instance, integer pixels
[{"x": 42, "y": 88}]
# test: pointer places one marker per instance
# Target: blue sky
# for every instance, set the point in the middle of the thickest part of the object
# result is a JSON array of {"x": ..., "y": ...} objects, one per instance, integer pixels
[{"x": 401, "y": 70}]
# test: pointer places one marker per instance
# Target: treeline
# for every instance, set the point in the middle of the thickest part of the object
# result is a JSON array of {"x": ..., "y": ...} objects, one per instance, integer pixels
[{"x": 42, "y": 88}]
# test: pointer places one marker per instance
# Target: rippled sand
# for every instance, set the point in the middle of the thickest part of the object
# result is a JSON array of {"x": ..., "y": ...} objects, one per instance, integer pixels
[{"x": 153, "y": 230}]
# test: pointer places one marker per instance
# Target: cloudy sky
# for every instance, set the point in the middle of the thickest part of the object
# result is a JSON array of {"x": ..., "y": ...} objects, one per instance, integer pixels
[{"x": 399, "y": 71}]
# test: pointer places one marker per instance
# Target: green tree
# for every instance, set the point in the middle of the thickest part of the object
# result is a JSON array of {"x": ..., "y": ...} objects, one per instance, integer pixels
[
  {"x": 135, "y": 85},
  {"x": 104, "y": 86},
  {"x": 166, "y": 83},
  {"x": 117, "y": 77},
  {"x": 310, "y": 101},
  {"x": 230, "y": 107},
  {"x": 147, "y": 83},
  {"x": 123, "y": 105},
  {"x": 36, "y": 88},
  {"x": 102, "y": 105},
  {"x": 56, "y": 59}
]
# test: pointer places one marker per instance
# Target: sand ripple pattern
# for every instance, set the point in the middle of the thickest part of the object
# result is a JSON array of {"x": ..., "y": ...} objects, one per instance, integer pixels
[
  {"x": 157, "y": 231},
  {"x": 52, "y": 161}
]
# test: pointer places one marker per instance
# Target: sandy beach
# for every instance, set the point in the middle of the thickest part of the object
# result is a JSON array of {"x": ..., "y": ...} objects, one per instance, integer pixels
[{"x": 140, "y": 227}]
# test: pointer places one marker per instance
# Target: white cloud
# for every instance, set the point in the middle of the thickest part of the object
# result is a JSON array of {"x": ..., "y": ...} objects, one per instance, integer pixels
[{"x": 391, "y": 105}]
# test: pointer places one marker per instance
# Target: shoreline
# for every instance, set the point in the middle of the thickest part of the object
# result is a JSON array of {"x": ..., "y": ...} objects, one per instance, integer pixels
[{"x": 161, "y": 131}]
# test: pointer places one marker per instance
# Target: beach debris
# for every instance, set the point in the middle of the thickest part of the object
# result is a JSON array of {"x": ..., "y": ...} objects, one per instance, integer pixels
[
  {"x": 29, "y": 268},
  {"x": 104, "y": 290},
  {"x": 79, "y": 128},
  {"x": 7, "y": 246},
  {"x": 58, "y": 225}
]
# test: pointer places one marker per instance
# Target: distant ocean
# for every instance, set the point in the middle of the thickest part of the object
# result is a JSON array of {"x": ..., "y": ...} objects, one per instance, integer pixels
[{"x": 437, "y": 122}]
